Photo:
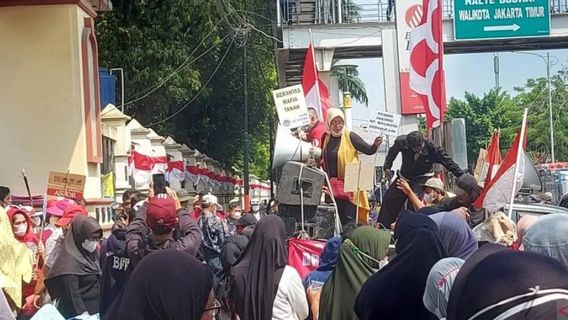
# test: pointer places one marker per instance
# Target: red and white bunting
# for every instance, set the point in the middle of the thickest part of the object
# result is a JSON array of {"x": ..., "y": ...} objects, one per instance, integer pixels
[
  {"x": 141, "y": 166},
  {"x": 175, "y": 171}
]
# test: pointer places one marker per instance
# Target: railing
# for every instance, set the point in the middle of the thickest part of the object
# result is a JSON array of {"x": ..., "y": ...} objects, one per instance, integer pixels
[{"x": 293, "y": 12}]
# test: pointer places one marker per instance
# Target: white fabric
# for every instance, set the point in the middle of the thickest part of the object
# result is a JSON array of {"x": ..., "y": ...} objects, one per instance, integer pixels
[
  {"x": 290, "y": 302},
  {"x": 51, "y": 241},
  {"x": 499, "y": 194},
  {"x": 5, "y": 311}
]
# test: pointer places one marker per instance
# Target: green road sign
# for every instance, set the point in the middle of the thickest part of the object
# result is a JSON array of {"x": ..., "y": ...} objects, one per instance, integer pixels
[{"x": 494, "y": 19}]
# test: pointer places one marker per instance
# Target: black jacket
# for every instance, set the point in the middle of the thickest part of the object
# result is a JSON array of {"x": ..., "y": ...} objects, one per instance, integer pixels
[
  {"x": 76, "y": 294},
  {"x": 412, "y": 168},
  {"x": 116, "y": 267},
  {"x": 139, "y": 243}
]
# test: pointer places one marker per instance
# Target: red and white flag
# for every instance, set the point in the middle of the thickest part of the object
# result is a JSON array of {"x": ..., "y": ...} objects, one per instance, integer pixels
[
  {"x": 316, "y": 92},
  {"x": 141, "y": 166},
  {"x": 427, "y": 63},
  {"x": 508, "y": 179},
  {"x": 175, "y": 171},
  {"x": 493, "y": 158}
]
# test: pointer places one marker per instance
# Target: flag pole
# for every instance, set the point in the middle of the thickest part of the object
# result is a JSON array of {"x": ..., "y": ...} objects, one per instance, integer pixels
[
  {"x": 519, "y": 155},
  {"x": 317, "y": 75}
]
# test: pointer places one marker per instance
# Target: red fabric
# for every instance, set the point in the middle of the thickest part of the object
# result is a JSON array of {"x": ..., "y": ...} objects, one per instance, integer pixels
[
  {"x": 304, "y": 255},
  {"x": 493, "y": 155},
  {"x": 317, "y": 133},
  {"x": 178, "y": 165},
  {"x": 193, "y": 169},
  {"x": 196, "y": 213},
  {"x": 144, "y": 162},
  {"x": 509, "y": 161},
  {"x": 30, "y": 236},
  {"x": 71, "y": 212},
  {"x": 310, "y": 79},
  {"x": 427, "y": 77}
]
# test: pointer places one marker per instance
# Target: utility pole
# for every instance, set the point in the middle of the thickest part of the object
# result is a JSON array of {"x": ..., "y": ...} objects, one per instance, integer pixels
[
  {"x": 496, "y": 69},
  {"x": 246, "y": 142},
  {"x": 550, "y": 106}
]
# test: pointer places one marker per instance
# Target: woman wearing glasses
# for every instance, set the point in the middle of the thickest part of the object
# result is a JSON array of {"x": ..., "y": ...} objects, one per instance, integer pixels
[{"x": 168, "y": 285}]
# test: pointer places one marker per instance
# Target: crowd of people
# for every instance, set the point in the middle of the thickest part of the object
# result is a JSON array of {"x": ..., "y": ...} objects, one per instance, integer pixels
[
  {"x": 167, "y": 258},
  {"x": 163, "y": 261}
]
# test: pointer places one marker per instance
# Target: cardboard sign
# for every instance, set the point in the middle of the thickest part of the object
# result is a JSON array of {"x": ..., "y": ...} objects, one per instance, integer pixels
[
  {"x": 385, "y": 123},
  {"x": 291, "y": 106},
  {"x": 61, "y": 184},
  {"x": 359, "y": 176}
]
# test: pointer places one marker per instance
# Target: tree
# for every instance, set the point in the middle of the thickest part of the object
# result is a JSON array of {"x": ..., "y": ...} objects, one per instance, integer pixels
[
  {"x": 171, "y": 49},
  {"x": 498, "y": 110},
  {"x": 348, "y": 80},
  {"x": 495, "y": 110}
]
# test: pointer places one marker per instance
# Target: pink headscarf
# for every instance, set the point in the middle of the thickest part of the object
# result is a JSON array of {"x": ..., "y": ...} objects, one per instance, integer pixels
[{"x": 523, "y": 225}]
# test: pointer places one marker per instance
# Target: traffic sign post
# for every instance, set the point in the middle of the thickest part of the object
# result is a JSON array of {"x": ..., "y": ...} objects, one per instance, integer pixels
[{"x": 497, "y": 19}]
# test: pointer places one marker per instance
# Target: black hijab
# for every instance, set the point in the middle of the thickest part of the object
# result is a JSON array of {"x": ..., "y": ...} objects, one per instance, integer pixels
[
  {"x": 395, "y": 292},
  {"x": 525, "y": 285},
  {"x": 166, "y": 285},
  {"x": 232, "y": 250},
  {"x": 257, "y": 272},
  {"x": 73, "y": 258}
]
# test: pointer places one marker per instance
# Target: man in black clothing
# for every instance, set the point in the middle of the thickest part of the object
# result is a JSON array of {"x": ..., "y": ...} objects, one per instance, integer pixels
[
  {"x": 467, "y": 191},
  {"x": 418, "y": 158}
]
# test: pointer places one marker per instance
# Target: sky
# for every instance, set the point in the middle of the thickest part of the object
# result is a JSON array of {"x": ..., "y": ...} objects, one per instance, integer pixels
[{"x": 464, "y": 73}]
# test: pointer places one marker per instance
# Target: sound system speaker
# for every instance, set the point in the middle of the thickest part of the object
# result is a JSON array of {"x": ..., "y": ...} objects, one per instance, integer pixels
[
  {"x": 319, "y": 220},
  {"x": 290, "y": 184}
]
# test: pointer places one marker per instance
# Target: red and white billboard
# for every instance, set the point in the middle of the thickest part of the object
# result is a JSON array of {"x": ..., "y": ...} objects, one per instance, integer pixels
[{"x": 409, "y": 14}]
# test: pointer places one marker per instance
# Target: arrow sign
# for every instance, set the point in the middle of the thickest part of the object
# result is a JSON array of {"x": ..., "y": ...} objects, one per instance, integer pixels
[{"x": 513, "y": 27}]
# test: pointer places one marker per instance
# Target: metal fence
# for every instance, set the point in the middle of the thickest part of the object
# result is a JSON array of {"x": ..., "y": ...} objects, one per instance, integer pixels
[{"x": 358, "y": 11}]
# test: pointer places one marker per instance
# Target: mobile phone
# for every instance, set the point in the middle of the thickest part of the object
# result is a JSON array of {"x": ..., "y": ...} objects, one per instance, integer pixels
[{"x": 159, "y": 183}]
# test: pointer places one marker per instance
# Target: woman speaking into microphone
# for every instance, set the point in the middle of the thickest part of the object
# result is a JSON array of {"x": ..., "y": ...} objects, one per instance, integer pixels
[{"x": 340, "y": 147}]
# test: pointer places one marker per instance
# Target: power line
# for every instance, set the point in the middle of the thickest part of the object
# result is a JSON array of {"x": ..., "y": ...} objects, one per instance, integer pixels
[
  {"x": 200, "y": 91},
  {"x": 185, "y": 63}
]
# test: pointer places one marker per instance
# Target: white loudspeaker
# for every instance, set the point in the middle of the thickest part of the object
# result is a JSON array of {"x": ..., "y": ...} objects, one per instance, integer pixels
[{"x": 289, "y": 148}]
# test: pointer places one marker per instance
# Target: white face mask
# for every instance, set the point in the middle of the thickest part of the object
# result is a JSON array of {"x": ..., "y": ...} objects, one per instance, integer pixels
[
  {"x": 236, "y": 214},
  {"x": 89, "y": 245},
  {"x": 21, "y": 230},
  {"x": 255, "y": 208},
  {"x": 429, "y": 197}
]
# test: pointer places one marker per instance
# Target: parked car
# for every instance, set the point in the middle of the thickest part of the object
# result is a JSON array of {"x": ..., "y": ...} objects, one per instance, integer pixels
[{"x": 535, "y": 209}]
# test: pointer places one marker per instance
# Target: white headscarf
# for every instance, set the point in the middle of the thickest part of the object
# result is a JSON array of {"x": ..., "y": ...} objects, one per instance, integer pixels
[
  {"x": 439, "y": 284},
  {"x": 333, "y": 113}
]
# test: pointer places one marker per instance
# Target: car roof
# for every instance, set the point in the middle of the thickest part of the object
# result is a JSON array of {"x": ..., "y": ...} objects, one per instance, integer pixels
[{"x": 537, "y": 207}]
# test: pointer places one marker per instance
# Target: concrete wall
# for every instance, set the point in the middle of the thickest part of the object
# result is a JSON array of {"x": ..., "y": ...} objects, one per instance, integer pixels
[{"x": 42, "y": 124}]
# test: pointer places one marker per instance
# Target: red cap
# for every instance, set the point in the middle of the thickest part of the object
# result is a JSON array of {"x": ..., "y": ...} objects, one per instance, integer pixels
[
  {"x": 161, "y": 214},
  {"x": 71, "y": 212}
]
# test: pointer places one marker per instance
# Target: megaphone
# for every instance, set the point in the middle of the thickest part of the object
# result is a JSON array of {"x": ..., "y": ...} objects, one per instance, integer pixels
[{"x": 289, "y": 148}]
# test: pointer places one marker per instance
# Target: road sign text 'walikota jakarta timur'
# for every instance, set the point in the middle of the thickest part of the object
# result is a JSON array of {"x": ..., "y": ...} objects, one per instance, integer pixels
[{"x": 491, "y": 19}]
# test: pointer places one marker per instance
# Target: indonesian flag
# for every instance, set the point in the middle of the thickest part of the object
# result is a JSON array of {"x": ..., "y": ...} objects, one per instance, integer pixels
[
  {"x": 497, "y": 193},
  {"x": 493, "y": 158},
  {"x": 175, "y": 171},
  {"x": 317, "y": 94},
  {"x": 141, "y": 166},
  {"x": 427, "y": 64},
  {"x": 192, "y": 174}
]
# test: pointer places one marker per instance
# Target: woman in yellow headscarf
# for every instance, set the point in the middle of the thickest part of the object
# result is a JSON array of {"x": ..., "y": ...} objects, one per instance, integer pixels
[
  {"x": 340, "y": 147},
  {"x": 15, "y": 263}
]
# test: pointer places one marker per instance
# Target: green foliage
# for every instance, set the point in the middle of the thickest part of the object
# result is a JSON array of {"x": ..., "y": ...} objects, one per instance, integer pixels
[
  {"x": 498, "y": 110},
  {"x": 151, "y": 39},
  {"x": 348, "y": 80}
]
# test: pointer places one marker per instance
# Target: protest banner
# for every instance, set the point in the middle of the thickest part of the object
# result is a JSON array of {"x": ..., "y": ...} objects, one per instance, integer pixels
[
  {"x": 385, "y": 123},
  {"x": 64, "y": 184},
  {"x": 291, "y": 107}
]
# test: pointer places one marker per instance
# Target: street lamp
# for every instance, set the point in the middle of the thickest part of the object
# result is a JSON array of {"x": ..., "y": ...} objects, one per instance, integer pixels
[{"x": 546, "y": 60}]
